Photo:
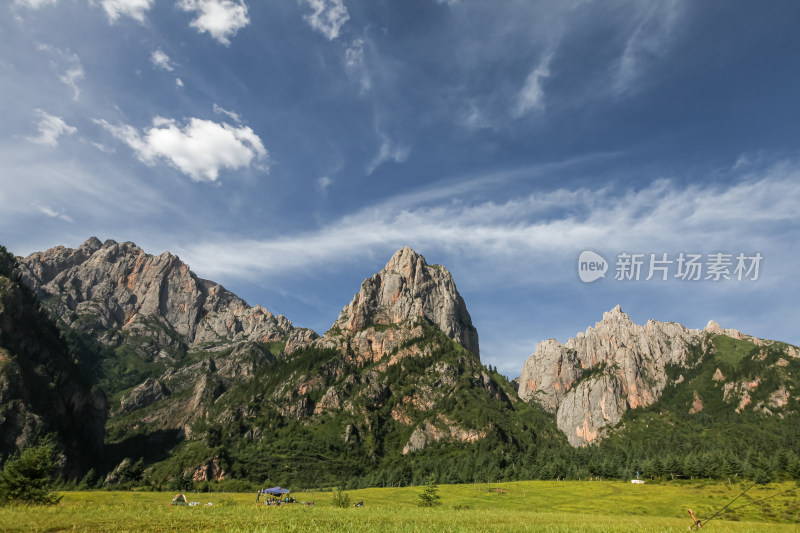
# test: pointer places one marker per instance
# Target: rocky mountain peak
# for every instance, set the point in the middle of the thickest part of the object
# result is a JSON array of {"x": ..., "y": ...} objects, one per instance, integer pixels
[
  {"x": 616, "y": 316},
  {"x": 408, "y": 289},
  {"x": 625, "y": 367},
  {"x": 111, "y": 285}
]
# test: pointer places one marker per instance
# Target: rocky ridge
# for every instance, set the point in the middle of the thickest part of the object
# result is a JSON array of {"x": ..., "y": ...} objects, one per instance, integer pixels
[
  {"x": 118, "y": 287},
  {"x": 590, "y": 381}
]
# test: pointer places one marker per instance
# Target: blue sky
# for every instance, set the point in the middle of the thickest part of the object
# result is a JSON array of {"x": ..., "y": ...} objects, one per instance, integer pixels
[{"x": 286, "y": 149}]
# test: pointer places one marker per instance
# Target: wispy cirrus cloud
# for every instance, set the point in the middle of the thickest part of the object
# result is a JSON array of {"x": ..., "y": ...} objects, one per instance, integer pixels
[
  {"x": 354, "y": 63},
  {"x": 50, "y": 212},
  {"x": 50, "y": 129},
  {"x": 327, "y": 16},
  {"x": 34, "y": 4},
  {"x": 221, "y": 19},
  {"x": 230, "y": 114},
  {"x": 199, "y": 148},
  {"x": 68, "y": 65},
  {"x": 531, "y": 97},
  {"x": 136, "y": 9},
  {"x": 531, "y": 230},
  {"x": 650, "y": 40},
  {"x": 389, "y": 150}
]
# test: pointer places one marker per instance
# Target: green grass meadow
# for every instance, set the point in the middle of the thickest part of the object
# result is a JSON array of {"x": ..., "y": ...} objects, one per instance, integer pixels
[{"x": 513, "y": 506}]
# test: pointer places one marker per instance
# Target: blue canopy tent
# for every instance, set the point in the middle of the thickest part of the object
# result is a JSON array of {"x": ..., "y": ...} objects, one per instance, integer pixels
[{"x": 276, "y": 491}]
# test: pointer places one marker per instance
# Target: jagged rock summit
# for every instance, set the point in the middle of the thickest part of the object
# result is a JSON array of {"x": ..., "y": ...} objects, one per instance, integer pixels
[
  {"x": 110, "y": 285},
  {"x": 592, "y": 379},
  {"x": 392, "y": 302}
]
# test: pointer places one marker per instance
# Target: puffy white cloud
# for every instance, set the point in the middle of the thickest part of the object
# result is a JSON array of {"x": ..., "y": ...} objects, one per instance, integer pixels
[
  {"x": 199, "y": 148},
  {"x": 179, "y": 82},
  {"x": 136, "y": 9},
  {"x": 161, "y": 60},
  {"x": 50, "y": 129},
  {"x": 531, "y": 97},
  {"x": 327, "y": 16},
  {"x": 222, "y": 19}
]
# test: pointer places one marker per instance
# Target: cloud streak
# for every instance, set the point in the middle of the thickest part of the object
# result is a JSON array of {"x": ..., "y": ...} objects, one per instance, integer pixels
[
  {"x": 136, "y": 9},
  {"x": 50, "y": 129},
  {"x": 531, "y": 96},
  {"x": 327, "y": 16},
  {"x": 530, "y": 230},
  {"x": 650, "y": 40}
]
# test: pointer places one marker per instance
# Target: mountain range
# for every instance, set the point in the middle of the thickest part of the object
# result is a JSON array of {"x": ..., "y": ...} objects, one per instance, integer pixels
[{"x": 169, "y": 378}]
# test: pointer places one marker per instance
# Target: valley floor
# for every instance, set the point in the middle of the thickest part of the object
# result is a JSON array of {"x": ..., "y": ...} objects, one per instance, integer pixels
[{"x": 513, "y": 506}]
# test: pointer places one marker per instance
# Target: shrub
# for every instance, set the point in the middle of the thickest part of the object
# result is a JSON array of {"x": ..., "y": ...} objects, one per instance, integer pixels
[
  {"x": 341, "y": 499},
  {"x": 28, "y": 476}
]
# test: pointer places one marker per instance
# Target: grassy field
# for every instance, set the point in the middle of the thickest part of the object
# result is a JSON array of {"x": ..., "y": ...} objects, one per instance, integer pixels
[{"x": 515, "y": 506}]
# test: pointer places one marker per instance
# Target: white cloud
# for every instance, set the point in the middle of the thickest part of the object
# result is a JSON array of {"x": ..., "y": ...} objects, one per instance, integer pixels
[
  {"x": 70, "y": 79},
  {"x": 650, "y": 39},
  {"x": 323, "y": 183},
  {"x": 161, "y": 60},
  {"x": 179, "y": 82},
  {"x": 69, "y": 61},
  {"x": 199, "y": 149},
  {"x": 388, "y": 151},
  {"x": 537, "y": 231},
  {"x": 354, "y": 63},
  {"x": 136, "y": 9},
  {"x": 531, "y": 97},
  {"x": 34, "y": 4},
  {"x": 327, "y": 16},
  {"x": 222, "y": 19},
  {"x": 50, "y": 129},
  {"x": 47, "y": 210},
  {"x": 230, "y": 114}
]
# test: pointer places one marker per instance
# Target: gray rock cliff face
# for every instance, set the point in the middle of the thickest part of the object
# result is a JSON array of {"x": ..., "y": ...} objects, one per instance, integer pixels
[
  {"x": 625, "y": 363},
  {"x": 118, "y": 286},
  {"x": 406, "y": 290}
]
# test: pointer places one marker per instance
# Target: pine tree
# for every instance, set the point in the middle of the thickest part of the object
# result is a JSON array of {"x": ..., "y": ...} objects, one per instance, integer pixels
[
  {"x": 28, "y": 476},
  {"x": 429, "y": 497}
]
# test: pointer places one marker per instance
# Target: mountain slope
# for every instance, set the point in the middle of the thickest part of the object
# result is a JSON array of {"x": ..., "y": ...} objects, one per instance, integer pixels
[
  {"x": 146, "y": 313},
  {"x": 203, "y": 385},
  {"x": 387, "y": 387},
  {"x": 42, "y": 390}
]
